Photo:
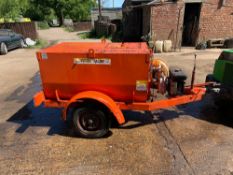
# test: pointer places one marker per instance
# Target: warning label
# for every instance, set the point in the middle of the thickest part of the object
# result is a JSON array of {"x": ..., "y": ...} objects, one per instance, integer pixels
[
  {"x": 141, "y": 85},
  {"x": 96, "y": 61},
  {"x": 44, "y": 56}
]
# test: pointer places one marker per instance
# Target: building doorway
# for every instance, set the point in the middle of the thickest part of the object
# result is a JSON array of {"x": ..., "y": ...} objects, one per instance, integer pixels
[
  {"x": 191, "y": 24},
  {"x": 132, "y": 25}
]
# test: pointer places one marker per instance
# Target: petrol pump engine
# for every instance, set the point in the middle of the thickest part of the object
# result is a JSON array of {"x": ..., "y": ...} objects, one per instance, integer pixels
[
  {"x": 176, "y": 81},
  {"x": 167, "y": 80}
]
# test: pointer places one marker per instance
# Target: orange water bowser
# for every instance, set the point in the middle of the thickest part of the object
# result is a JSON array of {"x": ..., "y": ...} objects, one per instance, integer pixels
[
  {"x": 119, "y": 70},
  {"x": 96, "y": 80}
]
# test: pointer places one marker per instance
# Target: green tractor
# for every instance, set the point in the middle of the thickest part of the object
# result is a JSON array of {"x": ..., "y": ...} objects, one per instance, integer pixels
[
  {"x": 223, "y": 82},
  {"x": 223, "y": 69}
]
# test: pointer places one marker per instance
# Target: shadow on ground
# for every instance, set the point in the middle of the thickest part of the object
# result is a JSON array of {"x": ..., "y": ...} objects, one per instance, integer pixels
[
  {"x": 208, "y": 111},
  {"x": 203, "y": 110},
  {"x": 29, "y": 116},
  {"x": 23, "y": 94}
]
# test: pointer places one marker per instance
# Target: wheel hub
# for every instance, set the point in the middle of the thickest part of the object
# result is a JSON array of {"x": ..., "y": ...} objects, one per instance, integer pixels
[{"x": 90, "y": 122}]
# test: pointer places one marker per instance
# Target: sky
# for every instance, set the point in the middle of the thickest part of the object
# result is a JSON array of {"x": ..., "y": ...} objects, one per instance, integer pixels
[{"x": 117, "y": 3}]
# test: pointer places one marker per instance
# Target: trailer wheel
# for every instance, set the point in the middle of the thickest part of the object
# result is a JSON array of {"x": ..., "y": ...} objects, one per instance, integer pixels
[{"x": 90, "y": 123}]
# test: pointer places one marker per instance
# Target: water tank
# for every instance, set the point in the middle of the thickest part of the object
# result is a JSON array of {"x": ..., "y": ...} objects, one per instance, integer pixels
[
  {"x": 159, "y": 46},
  {"x": 111, "y": 68},
  {"x": 167, "y": 46}
]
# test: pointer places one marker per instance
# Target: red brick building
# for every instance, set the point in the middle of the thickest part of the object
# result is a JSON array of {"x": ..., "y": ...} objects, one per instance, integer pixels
[{"x": 185, "y": 22}]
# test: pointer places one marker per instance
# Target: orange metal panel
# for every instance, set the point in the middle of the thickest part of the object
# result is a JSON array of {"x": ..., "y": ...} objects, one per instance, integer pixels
[
  {"x": 61, "y": 70},
  {"x": 195, "y": 95},
  {"x": 115, "y": 74},
  {"x": 38, "y": 99}
]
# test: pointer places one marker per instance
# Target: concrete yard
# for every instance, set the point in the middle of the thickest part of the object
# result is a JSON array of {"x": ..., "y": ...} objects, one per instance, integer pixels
[{"x": 189, "y": 139}]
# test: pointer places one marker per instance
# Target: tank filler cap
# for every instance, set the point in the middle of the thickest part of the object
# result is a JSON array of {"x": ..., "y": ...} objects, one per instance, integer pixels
[{"x": 91, "y": 53}]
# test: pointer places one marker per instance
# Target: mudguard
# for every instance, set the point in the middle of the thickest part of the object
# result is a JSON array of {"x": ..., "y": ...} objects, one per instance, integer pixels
[{"x": 100, "y": 97}]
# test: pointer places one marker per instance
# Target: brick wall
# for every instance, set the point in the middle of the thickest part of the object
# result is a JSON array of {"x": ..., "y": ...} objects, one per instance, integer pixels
[
  {"x": 216, "y": 21},
  {"x": 165, "y": 20}
]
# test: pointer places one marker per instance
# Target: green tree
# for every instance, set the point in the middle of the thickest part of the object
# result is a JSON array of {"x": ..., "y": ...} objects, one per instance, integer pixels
[
  {"x": 41, "y": 10},
  {"x": 38, "y": 11},
  {"x": 75, "y": 9},
  {"x": 12, "y": 9},
  {"x": 9, "y": 9},
  {"x": 79, "y": 10}
]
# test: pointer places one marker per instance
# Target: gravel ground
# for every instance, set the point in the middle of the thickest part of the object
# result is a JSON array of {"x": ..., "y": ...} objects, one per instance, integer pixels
[
  {"x": 59, "y": 34},
  {"x": 189, "y": 139}
]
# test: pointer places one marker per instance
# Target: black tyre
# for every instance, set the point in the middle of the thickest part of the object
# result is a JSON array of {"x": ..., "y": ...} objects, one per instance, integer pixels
[
  {"x": 3, "y": 49},
  {"x": 209, "y": 78},
  {"x": 90, "y": 123}
]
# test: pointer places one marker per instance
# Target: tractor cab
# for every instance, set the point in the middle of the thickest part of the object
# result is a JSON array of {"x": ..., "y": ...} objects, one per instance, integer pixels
[{"x": 223, "y": 69}]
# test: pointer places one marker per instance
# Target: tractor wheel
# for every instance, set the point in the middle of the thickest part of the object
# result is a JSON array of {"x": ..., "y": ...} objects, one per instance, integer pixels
[
  {"x": 209, "y": 78},
  {"x": 3, "y": 49},
  {"x": 90, "y": 123}
]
